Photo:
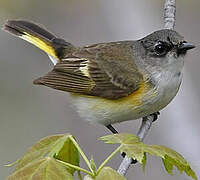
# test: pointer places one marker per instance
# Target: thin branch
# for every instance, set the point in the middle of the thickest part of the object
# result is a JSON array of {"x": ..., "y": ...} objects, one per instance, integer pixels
[
  {"x": 170, "y": 14},
  {"x": 108, "y": 159},
  {"x": 143, "y": 131},
  {"x": 169, "y": 20},
  {"x": 75, "y": 167},
  {"x": 82, "y": 154}
]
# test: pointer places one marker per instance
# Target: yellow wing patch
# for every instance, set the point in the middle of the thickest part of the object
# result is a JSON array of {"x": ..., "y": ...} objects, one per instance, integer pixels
[{"x": 84, "y": 68}]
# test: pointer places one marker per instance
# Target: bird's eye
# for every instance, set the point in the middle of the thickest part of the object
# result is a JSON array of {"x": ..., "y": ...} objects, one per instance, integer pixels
[{"x": 160, "y": 48}]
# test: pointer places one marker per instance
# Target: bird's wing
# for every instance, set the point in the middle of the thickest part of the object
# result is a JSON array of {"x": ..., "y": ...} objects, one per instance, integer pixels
[{"x": 106, "y": 74}]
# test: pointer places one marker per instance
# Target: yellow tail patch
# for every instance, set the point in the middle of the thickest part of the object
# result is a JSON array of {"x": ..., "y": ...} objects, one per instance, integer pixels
[{"x": 40, "y": 44}]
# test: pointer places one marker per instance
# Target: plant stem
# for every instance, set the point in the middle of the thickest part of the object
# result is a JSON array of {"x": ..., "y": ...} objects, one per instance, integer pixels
[
  {"x": 79, "y": 175},
  {"x": 108, "y": 158},
  {"x": 83, "y": 155},
  {"x": 75, "y": 167}
]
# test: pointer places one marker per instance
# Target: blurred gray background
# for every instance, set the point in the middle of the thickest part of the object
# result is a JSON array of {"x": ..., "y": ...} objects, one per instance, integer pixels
[{"x": 28, "y": 112}]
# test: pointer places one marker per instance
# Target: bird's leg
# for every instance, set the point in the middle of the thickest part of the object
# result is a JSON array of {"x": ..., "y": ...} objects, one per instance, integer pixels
[
  {"x": 112, "y": 129},
  {"x": 156, "y": 114}
]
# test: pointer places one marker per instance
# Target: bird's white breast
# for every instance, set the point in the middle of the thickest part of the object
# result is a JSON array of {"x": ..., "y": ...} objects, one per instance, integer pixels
[
  {"x": 104, "y": 111},
  {"x": 168, "y": 82}
]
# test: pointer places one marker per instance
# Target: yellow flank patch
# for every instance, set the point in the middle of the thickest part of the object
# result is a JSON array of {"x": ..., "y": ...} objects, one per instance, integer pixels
[
  {"x": 40, "y": 44},
  {"x": 134, "y": 99},
  {"x": 137, "y": 96}
]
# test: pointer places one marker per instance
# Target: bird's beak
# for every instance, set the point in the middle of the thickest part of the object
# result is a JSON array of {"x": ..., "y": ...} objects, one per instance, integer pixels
[{"x": 184, "y": 46}]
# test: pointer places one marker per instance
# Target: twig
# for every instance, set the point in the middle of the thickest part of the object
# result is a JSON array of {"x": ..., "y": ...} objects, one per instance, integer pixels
[
  {"x": 169, "y": 20},
  {"x": 170, "y": 14},
  {"x": 144, "y": 128}
]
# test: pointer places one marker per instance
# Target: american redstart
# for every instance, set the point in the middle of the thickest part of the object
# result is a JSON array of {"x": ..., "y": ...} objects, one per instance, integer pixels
[{"x": 111, "y": 82}]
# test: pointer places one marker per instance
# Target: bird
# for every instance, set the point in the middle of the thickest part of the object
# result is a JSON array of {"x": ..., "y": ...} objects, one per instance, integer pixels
[{"x": 111, "y": 82}]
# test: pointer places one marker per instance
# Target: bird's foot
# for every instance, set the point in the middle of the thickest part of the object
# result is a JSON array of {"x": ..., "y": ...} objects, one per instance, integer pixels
[
  {"x": 133, "y": 161},
  {"x": 156, "y": 114}
]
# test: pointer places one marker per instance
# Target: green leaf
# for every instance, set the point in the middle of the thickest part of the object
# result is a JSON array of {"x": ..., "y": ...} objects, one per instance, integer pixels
[
  {"x": 171, "y": 158},
  {"x": 133, "y": 147},
  {"x": 108, "y": 173},
  {"x": 170, "y": 162},
  {"x": 42, "y": 169},
  {"x": 68, "y": 153},
  {"x": 122, "y": 138},
  {"x": 58, "y": 146}
]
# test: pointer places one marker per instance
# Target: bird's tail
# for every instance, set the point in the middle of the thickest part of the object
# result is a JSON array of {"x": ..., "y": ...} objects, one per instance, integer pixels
[{"x": 40, "y": 37}]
